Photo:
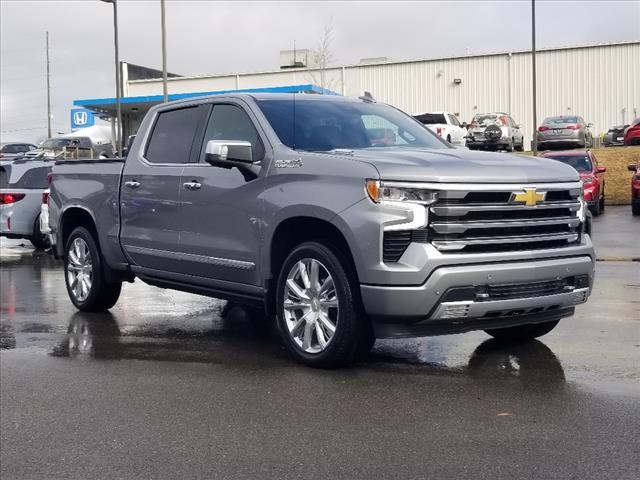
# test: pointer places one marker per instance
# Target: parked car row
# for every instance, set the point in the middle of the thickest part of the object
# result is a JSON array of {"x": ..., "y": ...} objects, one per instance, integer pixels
[{"x": 499, "y": 131}]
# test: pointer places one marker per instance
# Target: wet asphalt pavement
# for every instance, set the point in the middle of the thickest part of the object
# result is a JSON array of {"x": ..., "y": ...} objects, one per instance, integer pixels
[{"x": 171, "y": 385}]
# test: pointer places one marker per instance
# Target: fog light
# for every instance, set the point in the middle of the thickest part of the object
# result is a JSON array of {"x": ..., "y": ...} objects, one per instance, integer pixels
[{"x": 455, "y": 310}]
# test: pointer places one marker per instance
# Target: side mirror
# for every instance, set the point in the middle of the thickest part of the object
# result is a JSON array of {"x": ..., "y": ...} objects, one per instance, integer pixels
[
  {"x": 601, "y": 169},
  {"x": 632, "y": 167},
  {"x": 518, "y": 126},
  {"x": 229, "y": 153},
  {"x": 589, "y": 125},
  {"x": 465, "y": 125}
]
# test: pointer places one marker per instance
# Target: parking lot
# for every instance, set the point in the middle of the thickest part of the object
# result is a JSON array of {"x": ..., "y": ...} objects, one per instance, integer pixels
[{"x": 171, "y": 385}]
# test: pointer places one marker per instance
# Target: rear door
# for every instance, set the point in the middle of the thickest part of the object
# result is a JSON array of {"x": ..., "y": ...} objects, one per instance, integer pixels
[
  {"x": 220, "y": 227},
  {"x": 150, "y": 189},
  {"x": 457, "y": 133}
]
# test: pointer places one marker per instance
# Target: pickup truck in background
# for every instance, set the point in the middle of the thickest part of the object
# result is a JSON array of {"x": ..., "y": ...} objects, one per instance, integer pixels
[
  {"x": 445, "y": 125},
  {"x": 291, "y": 205}
]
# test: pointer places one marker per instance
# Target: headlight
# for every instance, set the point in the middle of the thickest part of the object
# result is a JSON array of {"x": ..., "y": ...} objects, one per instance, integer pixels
[
  {"x": 588, "y": 180},
  {"x": 582, "y": 212},
  {"x": 395, "y": 192}
]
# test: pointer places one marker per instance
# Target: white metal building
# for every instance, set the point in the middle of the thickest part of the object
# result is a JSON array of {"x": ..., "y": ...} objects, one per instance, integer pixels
[{"x": 599, "y": 82}]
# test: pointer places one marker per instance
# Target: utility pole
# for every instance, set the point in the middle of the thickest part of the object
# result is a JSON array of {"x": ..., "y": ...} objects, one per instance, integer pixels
[
  {"x": 165, "y": 90},
  {"x": 533, "y": 79},
  {"x": 48, "y": 93},
  {"x": 118, "y": 77}
]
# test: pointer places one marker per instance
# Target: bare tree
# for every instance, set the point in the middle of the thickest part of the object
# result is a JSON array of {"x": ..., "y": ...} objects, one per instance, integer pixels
[{"x": 324, "y": 57}]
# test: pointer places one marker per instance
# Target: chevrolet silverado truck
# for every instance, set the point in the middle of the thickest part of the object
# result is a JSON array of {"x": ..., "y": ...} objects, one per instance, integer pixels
[{"x": 291, "y": 205}]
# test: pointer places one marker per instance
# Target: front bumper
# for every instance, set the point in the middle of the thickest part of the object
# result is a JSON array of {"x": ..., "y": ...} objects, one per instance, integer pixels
[{"x": 399, "y": 311}]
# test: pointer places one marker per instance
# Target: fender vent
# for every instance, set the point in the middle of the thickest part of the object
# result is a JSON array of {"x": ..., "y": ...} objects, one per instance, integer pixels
[{"x": 395, "y": 243}]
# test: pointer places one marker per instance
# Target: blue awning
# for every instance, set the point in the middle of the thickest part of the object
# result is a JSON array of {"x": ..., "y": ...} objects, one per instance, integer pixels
[{"x": 108, "y": 104}]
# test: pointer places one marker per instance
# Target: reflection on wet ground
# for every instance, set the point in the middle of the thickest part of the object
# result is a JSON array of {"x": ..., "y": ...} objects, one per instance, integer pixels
[
  {"x": 99, "y": 336},
  {"x": 162, "y": 325}
]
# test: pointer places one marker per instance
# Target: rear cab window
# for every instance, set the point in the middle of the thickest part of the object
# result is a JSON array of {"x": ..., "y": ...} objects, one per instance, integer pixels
[
  {"x": 431, "y": 118},
  {"x": 173, "y": 135}
]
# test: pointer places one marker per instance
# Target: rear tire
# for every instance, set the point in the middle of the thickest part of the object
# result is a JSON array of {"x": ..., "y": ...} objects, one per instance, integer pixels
[
  {"x": 635, "y": 206},
  {"x": 84, "y": 274},
  {"x": 510, "y": 146},
  {"x": 522, "y": 333},
  {"x": 305, "y": 301},
  {"x": 39, "y": 239},
  {"x": 448, "y": 138}
]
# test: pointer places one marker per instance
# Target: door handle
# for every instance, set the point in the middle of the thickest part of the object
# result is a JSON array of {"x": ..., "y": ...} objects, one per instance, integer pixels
[
  {"x": 132, "y": 184},
  {"x": 191, "y": 186}
]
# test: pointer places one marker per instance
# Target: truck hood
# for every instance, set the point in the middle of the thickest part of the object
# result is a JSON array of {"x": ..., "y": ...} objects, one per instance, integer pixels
[{"x": 464, "y": 166}]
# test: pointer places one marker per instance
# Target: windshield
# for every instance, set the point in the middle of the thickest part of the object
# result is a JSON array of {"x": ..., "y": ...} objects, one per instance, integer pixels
[
  {"x": 581, "y": 163},
  {"x": 561, "y": 120},
  {"x": 55, "y": 143},
  {"x": 328, "y": 125},
  {"x": 431, "y": 118}
]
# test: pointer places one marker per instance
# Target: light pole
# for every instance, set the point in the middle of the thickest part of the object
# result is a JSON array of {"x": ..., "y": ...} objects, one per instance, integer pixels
[
  {"x": 165, "y": 90},
  {"x": 48, "y": 93},
  {"x": 533, "y": 73},
  {"x": 118, "y": 81}
]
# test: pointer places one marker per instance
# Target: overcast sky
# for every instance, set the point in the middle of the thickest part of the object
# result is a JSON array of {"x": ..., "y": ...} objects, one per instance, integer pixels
[{"x": 220, "y": 37}]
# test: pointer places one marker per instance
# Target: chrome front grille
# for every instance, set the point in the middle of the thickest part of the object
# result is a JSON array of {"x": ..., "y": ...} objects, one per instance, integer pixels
[{"x": 485, "y": 218}]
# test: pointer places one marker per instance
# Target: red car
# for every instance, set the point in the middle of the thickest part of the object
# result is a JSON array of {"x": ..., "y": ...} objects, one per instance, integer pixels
[
  {"x": 592, "y": 175},
  {"x": 632, "y": 133},
  {"x": 635, "y": 189}
]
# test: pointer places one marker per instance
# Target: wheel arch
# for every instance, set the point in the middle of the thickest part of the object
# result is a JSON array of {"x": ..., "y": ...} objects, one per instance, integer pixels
[
  {"x": 296, "y": 229},
  {"x": 72, "y": 217}
]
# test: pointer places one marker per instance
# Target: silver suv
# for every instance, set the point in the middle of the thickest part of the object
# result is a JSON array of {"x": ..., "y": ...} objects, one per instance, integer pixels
[{"x": 494, "y": 131}]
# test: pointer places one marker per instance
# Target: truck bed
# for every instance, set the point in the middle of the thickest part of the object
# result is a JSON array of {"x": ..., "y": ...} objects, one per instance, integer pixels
[{"x": 93, "y": 186}]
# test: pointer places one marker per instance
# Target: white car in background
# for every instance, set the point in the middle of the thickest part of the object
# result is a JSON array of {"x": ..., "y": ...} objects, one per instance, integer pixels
[
  {"x": 444, "y": 124},
  {"x": 23, "y": 186}
]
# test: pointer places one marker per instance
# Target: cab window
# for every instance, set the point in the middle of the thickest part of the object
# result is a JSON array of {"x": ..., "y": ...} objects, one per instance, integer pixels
[{"x": 230, "y": 122}]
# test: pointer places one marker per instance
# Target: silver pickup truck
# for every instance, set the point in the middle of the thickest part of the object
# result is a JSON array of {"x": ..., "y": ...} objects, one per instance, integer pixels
[{"x": 343, "y": 219}]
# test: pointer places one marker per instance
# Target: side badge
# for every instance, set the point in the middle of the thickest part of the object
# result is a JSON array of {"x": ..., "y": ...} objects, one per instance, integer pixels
[{"x": 289, "y": 163}]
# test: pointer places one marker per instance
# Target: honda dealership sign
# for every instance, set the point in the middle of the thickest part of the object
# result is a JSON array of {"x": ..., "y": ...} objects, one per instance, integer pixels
[{"x": 82, "y": 118}]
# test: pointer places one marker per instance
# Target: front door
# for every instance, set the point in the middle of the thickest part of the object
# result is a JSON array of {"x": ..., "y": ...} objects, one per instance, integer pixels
[
  {"x": 221, "y": 208},
  {"x": 150, "y": 191}
]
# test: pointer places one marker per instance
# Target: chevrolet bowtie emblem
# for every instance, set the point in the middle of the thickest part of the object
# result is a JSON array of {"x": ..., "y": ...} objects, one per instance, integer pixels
[{"x": 529, "y": 197}]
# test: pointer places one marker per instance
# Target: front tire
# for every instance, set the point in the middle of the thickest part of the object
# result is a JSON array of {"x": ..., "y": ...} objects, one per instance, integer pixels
[
  {"x": 635, "y": 206},
  {"x": 319, "y": 310},
  {"x": 596, "y": 210},
  {"x": 84, "y": 274},
  {"x": 522, "y": 333}
]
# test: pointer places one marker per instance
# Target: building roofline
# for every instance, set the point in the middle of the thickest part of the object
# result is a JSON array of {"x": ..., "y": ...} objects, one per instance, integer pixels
[{"x": 395, "y": 62}]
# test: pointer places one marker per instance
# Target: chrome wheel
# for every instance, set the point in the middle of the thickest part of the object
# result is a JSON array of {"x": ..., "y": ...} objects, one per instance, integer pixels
[
  {"x": 310, "y": 305},
  {"x": 79, "y": 269}
]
